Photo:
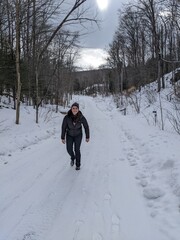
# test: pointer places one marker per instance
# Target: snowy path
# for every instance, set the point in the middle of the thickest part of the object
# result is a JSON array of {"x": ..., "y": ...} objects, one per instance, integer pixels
[{"x": 43, "y": 198}]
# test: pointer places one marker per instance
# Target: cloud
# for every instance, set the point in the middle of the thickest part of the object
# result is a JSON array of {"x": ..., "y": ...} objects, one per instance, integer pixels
[
  {"x": 91, "y": 58},
  {"x": 101, "y": 38},
  {"x": 93, "y": 55}
]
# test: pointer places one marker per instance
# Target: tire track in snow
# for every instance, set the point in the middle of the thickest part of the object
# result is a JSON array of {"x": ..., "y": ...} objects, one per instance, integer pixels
[
  {"x": 51, "y": 172},
  {"x": 100, "y": 202}
]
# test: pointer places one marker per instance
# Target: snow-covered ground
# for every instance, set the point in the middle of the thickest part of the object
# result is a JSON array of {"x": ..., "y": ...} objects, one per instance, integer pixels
[{"x": 128, "y": 187}]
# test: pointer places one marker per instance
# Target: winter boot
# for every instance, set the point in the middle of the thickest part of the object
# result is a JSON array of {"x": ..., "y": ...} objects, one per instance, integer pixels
[{"x": 72, "y": 162}]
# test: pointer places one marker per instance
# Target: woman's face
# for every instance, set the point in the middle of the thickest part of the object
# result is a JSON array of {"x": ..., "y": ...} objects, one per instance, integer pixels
[{"x": 74, "y": 110}]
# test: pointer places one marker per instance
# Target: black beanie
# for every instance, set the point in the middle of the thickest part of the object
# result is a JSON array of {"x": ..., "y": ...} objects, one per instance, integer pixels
[{"x": 75, "y": 105}]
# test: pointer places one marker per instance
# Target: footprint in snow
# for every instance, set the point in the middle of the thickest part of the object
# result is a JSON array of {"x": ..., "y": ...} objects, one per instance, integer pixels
[
  {"x": 133, "y": 163},
  {"x": 97, "y": 236},
  {"x": 140, "y": 175},
  {"x": 154, "y": 213},
  {"x": 168, "y": 164},
  {"x": 115, "y": 224},
  {"x": 107, "y": 196},
  {"x": 130, "y": 155},
  {"x": 29, "y": 236},
  {"x": 115, "y": 219},
  {"x": 143, "y": 182},
  {"x": 153, "y": 193}
]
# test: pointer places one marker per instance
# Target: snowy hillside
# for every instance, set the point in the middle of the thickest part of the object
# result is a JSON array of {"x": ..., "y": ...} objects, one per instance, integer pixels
[
  {"x": 158, "y": 109},
  {"x": 127, "y": 189}
]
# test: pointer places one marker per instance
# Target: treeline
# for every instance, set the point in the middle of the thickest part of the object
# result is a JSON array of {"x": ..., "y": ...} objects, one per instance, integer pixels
[
  {"x": 146, "y": 44},
  {"x": 38, "y": 46}
]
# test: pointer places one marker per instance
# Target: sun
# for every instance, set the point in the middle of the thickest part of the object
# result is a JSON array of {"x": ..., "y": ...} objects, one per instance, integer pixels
[{"x": 102, "y": 4}]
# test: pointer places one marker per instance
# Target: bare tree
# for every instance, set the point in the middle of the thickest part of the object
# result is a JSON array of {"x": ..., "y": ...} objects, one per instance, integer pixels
[
  {"x": 27, "y": 29},
  {"x": 116, "y": 58},
  {"x": 73, "y": 15}
]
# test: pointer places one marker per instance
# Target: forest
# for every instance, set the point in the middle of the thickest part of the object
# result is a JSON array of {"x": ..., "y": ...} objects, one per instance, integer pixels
[{"x": 39, "y": 45}]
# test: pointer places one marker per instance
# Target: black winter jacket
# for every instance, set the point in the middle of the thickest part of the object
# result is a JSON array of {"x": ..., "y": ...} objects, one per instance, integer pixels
[{"x": 72, "y": 125}]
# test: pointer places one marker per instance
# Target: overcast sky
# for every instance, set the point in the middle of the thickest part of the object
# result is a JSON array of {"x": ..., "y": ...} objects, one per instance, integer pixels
[{"x": 99, "y": 39}]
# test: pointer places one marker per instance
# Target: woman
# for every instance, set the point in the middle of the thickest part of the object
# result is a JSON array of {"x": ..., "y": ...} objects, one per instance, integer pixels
[{"x": 72, "y": 130}]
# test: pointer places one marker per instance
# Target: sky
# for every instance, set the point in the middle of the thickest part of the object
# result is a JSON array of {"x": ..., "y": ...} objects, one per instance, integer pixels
[
  {"x": 128, "y": 187},
  {"x": 98, "y": 40},
  {"x": 109, "y": 16}
]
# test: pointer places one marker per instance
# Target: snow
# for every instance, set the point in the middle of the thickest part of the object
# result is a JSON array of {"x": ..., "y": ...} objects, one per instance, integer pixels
[{"x": 128, "y": 187}]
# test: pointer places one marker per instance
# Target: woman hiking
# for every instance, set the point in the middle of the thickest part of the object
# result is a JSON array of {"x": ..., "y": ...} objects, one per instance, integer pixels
[{"x": 71, "y": 133}]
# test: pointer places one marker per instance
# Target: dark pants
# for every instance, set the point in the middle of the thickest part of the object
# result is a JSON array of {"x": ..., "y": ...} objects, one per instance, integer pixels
[{"x": 74, "y": 153}]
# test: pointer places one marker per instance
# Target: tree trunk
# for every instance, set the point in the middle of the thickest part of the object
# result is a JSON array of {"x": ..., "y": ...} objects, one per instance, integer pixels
[
  {"x": 18, "y": 93},
  {"x": 159, "y": 73},
  {"x": 37, "y": 95}
]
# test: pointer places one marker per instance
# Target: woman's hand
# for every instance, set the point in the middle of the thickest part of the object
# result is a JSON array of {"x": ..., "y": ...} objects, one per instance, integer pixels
[
  {"x": 63, "y": 141},
  {"x": 87, "y": 139}
]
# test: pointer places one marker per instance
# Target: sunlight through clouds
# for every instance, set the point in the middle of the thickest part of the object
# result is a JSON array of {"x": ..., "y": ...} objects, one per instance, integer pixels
[
  {"x": 91, "y": 58},
  {"x": 102, "y": 4}
]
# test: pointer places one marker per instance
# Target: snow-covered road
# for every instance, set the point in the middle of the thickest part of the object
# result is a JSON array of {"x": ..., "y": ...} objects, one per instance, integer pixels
[{"x": 43, "y": 198}]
